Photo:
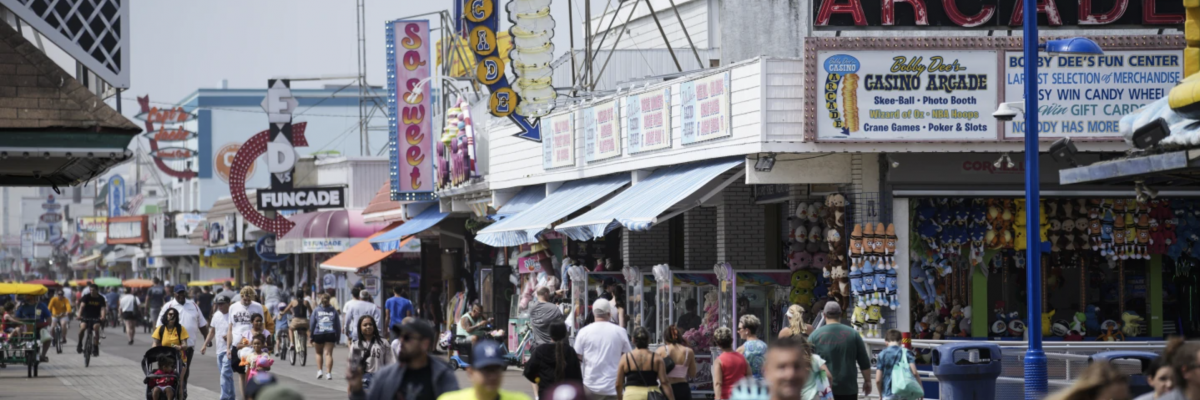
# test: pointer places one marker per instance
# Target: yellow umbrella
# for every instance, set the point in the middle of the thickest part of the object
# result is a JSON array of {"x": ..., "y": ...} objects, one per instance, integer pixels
[
  {"x": 201, "y": 283},
  {"x": 22, "y": 289}
]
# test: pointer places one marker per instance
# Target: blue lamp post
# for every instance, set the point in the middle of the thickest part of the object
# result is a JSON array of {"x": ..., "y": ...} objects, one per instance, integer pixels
[{"x": 1036, "y": 384}]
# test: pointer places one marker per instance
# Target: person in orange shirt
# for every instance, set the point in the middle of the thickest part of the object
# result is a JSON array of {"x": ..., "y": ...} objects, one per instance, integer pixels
[{"x": 60, "y": 310}]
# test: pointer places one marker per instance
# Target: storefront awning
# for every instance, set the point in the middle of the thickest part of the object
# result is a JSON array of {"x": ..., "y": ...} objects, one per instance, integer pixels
[
  {"x": 85, "y": 263},
  {"x": 363, "y": 255},
  {"x": 527, "y": 197},
  {"x": 393, "y": 239},
  {"x": 331, "y": 231},
  {"x": 647, "y": 203},
  {"x": 527, "y": 225}
]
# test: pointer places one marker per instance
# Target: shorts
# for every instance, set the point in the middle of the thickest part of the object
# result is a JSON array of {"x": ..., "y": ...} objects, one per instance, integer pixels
[
  {"x": 129, "y": 316},
  {"x": 164, "y": 388},
  {"x": 299, "y": 324},
  {"x": 325, "y": 338}
]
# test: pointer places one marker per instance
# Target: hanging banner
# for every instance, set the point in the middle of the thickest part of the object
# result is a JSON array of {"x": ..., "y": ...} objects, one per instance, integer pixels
[
  {"x": 187, "y": 222},
  {"x": 648, "y": 117},
  {"x": 558, "y": 150},
  {"x": 116, "y": 195},
  {"x": 704, "y": 109},
  {"x": 265, "y": 248},
  {"x": 1086, "y": 96},
  {"x": 905, "y": 95},
  {"x": 601, "y": 131},
  {"x": 221, "y": 261},
  {"x": 411, "y": 113}
]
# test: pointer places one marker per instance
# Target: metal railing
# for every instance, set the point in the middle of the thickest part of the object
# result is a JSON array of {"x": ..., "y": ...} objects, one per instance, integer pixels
[{"x": 1065, "y": 361}]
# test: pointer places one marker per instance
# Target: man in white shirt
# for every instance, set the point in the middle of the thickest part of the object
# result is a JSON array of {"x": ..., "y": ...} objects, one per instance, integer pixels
[
  {"x": 219, "y": 329},
  {"x": 191, "y": 318},
  {"x": 600, "y": 346},
  {"x": 355, "y": 309},
  {"x": 129, "y": 305}
]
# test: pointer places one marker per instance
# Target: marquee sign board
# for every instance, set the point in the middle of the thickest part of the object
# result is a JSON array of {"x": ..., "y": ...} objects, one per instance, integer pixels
[
  {"x": 995, "y": 14},
  {"x": 482, "y": 20},
  {"x": 169, "y": 130},
  {"x": 302, "y": 198},
  {"x": 170, "y": 135},
  {"x": 173, "y": 153}
]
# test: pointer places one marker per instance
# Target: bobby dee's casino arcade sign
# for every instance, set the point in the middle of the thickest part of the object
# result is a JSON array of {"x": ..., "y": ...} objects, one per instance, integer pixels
[{"x": 995, "y": 14}]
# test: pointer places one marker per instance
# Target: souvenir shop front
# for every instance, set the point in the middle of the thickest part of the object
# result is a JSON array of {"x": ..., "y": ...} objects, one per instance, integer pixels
[{"x": 1115, "y": 267}]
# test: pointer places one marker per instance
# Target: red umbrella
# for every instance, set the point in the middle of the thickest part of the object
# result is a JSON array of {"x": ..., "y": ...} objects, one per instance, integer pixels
[{"x": 45, "y": 282}]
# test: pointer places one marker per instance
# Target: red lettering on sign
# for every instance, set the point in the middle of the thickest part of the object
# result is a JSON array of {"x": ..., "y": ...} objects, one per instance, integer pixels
[
  {"x": 1150, "y": 16},
  {"x": 964, "y": 20},
  {"x": 1086, "y": 17},
  {"x": 889, "y": 11},
  {"x": 852, "y": 7}
]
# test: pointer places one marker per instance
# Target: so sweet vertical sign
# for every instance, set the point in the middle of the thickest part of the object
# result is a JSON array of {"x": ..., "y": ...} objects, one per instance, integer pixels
[{"x": 411, "y": 113}]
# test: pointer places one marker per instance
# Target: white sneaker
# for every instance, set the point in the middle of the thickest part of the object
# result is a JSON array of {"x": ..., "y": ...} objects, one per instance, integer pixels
[
  {"x": 319, "y": 373},
  {"x": 329, "y": 376}
]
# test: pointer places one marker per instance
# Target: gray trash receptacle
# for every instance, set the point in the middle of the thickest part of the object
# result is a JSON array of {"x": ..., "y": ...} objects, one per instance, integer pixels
[
  {"x": 967, "y": 370},
  {"x": 1139, "y": 383}
]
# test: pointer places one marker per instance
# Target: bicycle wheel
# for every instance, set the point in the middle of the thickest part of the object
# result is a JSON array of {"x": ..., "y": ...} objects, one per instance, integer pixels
[
  {"x": 87, "y": 352},
  {"x": 58, "y": 339}
]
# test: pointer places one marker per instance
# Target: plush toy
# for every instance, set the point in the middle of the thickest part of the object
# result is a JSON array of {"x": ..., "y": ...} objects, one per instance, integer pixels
[
  {"x": 917, "y": 276},
  {"x": 880, "y": 297},
  {"x": 1016, "y": 327},
  {"x": 1092, "y": 318},
  {"x": 1111, "y": 332},
  {"x": 860, "y": 320},
  {"x": 874, "y": 319},
  {"x": 1106, "y": 232},
  {"x": 1046, "y": 316},
  {"x": 1077, "y": 324},
  {"x": 864, "y": 297},
  {"x": 964, "y": 324},
  {"x": 892, "y": 286},
  {"x": 1133, "y": 323}
]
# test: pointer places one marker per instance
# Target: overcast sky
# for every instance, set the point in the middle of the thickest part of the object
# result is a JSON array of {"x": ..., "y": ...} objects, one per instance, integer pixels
[{"x": 178, "y": 47}]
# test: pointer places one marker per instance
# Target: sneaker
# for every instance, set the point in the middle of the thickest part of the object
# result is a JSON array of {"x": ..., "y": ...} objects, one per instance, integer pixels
[
  {"x": 329, "y": 376},
  {"x": 79, "y": 349},
  {"x": 319, "y": 374},
  {"x": 96, "y": 352}
]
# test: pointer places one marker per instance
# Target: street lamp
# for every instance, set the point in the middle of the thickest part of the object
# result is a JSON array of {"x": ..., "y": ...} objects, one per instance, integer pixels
[{"x": 1036, "y": 384}]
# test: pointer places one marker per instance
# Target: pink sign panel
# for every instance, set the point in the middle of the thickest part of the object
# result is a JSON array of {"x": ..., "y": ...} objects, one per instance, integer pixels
[{"x": 411, "y": 65}]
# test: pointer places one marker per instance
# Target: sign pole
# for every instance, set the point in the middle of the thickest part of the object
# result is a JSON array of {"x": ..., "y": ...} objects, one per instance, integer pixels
[{"x": 1035, "y": 359}]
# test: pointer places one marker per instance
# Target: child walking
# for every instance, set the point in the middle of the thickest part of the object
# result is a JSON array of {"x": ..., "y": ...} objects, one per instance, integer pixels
[{"x": 887, "y": 361}]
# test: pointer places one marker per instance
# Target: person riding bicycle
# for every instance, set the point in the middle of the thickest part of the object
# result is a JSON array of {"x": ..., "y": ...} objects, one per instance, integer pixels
[
  {"x": 32, "y": 309},
  {"x": 92, "y": 311},
  {"x": 300, "y": 308},
  {"x": 281, "y": 328},
  {"x": 60, "y": 310}
]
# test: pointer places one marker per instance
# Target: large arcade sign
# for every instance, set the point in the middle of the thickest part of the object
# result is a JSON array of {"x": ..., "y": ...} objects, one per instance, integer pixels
[
  {"x": 411, "y": 115},
  {"x": 995, "y": 14},
  {"x": 164, "y": 127},
  {"x": 946, "y": 89}
]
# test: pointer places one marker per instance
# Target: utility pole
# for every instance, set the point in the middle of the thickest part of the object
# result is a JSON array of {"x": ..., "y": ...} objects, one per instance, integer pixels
[{"x": 360, "y": 15}]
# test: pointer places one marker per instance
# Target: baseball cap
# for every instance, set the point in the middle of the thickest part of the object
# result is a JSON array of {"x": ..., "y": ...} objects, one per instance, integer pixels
[
  {"x": 180, "y": 288},
  {"x": 418, "y": 326},
  {"x": 833, "y": 307},
  {"x": 487, "y": 354},
  {"x": 260, "y": 381},
  {"x": 602, "y": 307},
  {"x": 221, "y": 300}
]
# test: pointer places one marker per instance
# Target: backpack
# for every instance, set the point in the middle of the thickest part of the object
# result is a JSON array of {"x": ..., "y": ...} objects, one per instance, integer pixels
[{"x": 904, "y": 385}]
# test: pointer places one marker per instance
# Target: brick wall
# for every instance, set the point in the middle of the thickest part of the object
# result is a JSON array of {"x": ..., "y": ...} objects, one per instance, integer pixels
[
  {"x": 740, "y": 235},
  {"x": 646, "y": 249},
  {"x": 700, "y": 238}
]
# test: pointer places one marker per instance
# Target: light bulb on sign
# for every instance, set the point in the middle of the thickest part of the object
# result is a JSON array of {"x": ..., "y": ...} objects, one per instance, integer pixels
[{"x": 532, "y": 30}]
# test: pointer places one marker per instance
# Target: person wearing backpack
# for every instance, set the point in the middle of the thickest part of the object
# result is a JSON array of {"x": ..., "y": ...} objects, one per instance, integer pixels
[{"x": 892, "y": 376}]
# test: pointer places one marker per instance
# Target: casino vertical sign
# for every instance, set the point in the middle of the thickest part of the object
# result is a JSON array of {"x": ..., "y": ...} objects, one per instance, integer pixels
[{"x": 409, "y": 72}]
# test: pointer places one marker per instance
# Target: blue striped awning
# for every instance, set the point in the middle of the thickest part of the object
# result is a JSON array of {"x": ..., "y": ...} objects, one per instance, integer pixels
[
  {"x": 426, "y": 219},
  {"x": 527, "y": 197},
  {"x": 525, "y": 227},
  {"x": 639, "y": 207}
]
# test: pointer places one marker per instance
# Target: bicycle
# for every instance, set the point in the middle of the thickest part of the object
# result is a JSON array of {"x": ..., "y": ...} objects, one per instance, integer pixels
[
  {"x": 300, "y": 348},
  {"x": 89, "y": 343},
  {"x": 283, "y": 341},
  {"x": 57, "y": 335}
]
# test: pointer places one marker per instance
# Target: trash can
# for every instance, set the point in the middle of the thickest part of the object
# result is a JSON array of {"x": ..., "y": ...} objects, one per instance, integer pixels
[
  {"x": 1139, "y": 383},
  {"x": 967, "y": 370}
]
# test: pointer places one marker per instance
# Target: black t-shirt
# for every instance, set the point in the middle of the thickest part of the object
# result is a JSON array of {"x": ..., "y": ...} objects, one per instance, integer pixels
[
  {"x": 205, "y": 301},
  {"x": 417, "y": 385},
  {"x": 155, "y": 296},
  {"x": 91, "y": 305}
]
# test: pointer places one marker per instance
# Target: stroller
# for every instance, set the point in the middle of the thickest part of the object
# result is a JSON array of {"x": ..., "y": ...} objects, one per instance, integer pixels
[{"x": 150, "y": 364}]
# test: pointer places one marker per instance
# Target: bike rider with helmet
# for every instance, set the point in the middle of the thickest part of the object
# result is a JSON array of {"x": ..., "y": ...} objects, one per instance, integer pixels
[{"x": 93, "y": 309}]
